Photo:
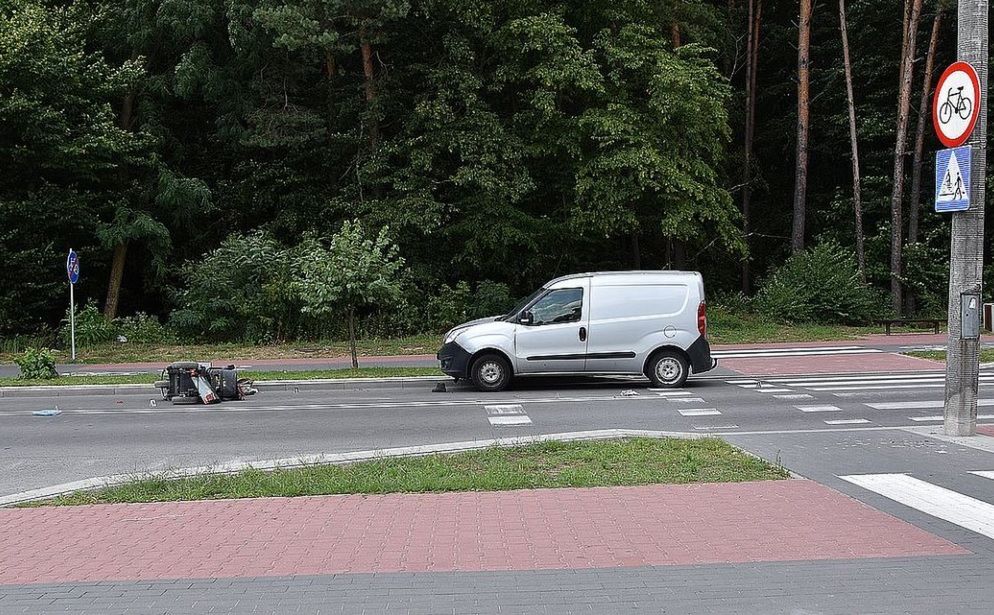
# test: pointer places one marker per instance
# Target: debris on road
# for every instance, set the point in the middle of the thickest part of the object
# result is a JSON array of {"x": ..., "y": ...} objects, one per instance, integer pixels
[
  {"x": 439, "y": 388},
  {"x": 629, "y": 393},
  {"x": 48, "y": 412},
  {"x": 188, "y": 382}
]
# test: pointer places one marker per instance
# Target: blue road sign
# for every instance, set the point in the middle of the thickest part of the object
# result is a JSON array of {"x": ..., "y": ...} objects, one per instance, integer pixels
[
  {"x": 72, "y": 266},
  {"x": 952, "y": 179}
]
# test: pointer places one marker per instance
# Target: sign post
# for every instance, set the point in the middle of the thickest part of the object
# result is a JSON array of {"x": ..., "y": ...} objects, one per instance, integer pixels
[
  {"x": 960, "y": 118},
  {"x": 72, "y": 271}
]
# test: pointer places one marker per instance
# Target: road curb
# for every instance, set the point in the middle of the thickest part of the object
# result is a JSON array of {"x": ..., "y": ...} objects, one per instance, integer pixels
[{"x": 100, "y": 482}]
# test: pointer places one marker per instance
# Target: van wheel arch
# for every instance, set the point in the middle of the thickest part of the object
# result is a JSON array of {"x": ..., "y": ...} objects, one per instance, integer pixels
[
  {"x": 485, "y": 351},
  {"x": 667, "y": 350}
]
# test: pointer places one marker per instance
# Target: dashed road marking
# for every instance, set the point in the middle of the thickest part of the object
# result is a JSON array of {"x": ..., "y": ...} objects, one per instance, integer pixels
[
  {"x": 847, "y": 422},
  {"x": 919, "y": 405},
  {"x": 794, "y": 396},
  {"x": 699, "y": 411},
  {"x": 689, "y": 400},
  {"x": 819, "y": 408},
  {"x": 668, "y": 393},
  {"x": 714, "y": 427},
  {"x": 939, "y": 417}
]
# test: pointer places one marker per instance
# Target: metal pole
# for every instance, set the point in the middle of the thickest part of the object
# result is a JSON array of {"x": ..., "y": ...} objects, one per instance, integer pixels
[
  {"x": 966, "y": 256},
  {"x": 72, "y": 319}
]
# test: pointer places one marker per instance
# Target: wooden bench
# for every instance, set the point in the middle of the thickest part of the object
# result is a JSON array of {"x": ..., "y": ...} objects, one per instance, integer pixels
[{"x": 933, "y": 323}]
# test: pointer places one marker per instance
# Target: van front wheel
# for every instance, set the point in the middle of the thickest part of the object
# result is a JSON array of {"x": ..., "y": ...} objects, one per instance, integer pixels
[
  {"x": 668, "y": 369},
  {"x": 491, "y": 373}
]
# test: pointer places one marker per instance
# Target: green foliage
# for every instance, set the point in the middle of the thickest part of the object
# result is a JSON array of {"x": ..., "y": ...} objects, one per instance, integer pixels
[
  {"x": 143, "y": 328},
  {"x": 91, "y": 327},
  {"x": 821, "y": 285},
  {"x": 243, "y": 290},
  {"x": 36, "y": 364},
  {"x": 353, "y": 274},
  {"x": 459, "y": 304}
]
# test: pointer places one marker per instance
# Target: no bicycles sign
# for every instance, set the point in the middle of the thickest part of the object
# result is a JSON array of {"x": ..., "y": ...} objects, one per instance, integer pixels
[{"x": 956, "y": 104}]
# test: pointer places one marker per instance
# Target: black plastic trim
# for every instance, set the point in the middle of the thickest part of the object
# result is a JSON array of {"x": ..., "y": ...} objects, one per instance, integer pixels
[
  {"x": 595, "y": 355},
  {"x": 700, "y": 356},
  {"x": 454, "y": 360}
]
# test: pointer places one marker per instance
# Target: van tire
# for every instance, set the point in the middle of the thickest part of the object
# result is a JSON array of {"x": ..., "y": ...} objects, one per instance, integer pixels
[
  {"x": 490, "y": 373},
  {"x": 668, "y": 369}
]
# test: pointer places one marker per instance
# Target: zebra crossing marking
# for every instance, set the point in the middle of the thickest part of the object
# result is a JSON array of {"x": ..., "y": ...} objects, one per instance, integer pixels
[
  {"x": 689, "y": 400},
  {"x": 946, "y": 504},
  {"x": 507, "y": 414},
  {"x": 668, "y": 393},
  {"x": 794, "y": 396},
  {"x": 847, "y": 422},
  {"x": 939, "y": 417},
  {"x": 919, "y": 405}
]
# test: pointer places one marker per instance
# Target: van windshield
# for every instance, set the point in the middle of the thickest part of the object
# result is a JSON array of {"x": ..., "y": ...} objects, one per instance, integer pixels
[{"x": 522, "y": 304}]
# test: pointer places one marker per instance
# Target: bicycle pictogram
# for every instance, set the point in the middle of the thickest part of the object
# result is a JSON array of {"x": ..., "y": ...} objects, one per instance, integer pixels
[{"x": 956, "y": 102}]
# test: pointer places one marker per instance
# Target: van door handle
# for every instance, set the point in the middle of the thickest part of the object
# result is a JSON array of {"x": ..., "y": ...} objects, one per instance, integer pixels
[{"x": 583, "y": 334}]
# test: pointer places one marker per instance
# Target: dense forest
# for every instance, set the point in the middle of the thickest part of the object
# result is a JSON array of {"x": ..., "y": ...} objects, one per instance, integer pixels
[{"x": 188, "y": 149}]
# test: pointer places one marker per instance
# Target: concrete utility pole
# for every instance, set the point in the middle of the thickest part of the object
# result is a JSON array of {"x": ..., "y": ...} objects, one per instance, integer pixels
[{"x": 966, "y": 258}]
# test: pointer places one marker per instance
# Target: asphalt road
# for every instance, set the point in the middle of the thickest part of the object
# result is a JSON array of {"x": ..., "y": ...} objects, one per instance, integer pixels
[{"x": 99, "y": 435}]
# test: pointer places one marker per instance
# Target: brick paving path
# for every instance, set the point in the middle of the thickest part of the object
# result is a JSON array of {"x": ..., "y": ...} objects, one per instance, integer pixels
[
  {"x": 488, "y": 531},
  {"x": 829, "y": 364}
]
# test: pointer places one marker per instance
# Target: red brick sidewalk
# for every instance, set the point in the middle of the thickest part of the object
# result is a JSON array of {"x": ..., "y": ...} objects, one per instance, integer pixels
[
  {"x": 516, "y": 530},
  {"x": 878, "y": 362}
]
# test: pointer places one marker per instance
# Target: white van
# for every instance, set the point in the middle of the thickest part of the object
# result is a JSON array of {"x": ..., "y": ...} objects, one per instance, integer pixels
[{"x": 620, "y": 322}]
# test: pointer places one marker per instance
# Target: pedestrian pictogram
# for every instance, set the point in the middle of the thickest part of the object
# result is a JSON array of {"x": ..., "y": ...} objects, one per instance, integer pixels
[
  {"x": 952, "y": 179},
  {"x": 956, "y": 104}
]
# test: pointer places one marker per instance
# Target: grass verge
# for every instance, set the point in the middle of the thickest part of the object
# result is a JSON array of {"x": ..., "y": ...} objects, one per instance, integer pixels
[
  {"x": 319, "y": 374},
  {"x": 634, "y": 461},
  {"x": 986, "y": 354}
]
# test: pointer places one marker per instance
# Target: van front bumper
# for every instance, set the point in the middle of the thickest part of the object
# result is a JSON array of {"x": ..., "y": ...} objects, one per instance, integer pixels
[
  {"x": 700, "y": 356},
  {"x": 454, "y": 360}
]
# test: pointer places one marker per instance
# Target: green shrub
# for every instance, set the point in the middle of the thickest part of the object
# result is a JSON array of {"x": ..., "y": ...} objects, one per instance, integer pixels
[
  {"x": 458, "y": 304},
  {"x": 819, "y": 285},
  {"x": 143, "y": 328},
  {"x": 36, "y": 364},
  {"x": 91, "y": 327}
]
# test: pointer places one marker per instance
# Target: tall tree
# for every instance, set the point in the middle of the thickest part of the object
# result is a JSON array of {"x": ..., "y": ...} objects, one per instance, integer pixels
[
  {"x": 803, "y": 126},
  {"x": 755, "y": 11},
  {"x": 914, "y": 203},
  {"x": 854, "y": 145},
  {"x": 900, "y": 143}
]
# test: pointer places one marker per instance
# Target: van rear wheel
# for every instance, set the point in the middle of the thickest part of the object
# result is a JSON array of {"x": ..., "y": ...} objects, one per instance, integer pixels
[
  {"x": 668, "y": 369},
  {"x": 491, "y": 373}
]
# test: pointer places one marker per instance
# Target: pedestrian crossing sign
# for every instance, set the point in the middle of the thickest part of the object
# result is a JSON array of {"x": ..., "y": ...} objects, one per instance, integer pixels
[{"x": 952, "y": 179}]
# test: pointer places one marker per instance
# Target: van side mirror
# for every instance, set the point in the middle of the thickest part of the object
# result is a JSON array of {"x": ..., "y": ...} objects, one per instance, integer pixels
[{"x": 526, "y": 318}]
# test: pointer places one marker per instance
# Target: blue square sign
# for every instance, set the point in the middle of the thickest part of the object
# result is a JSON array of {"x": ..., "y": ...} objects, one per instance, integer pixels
[{"x": 952, "y": 179}]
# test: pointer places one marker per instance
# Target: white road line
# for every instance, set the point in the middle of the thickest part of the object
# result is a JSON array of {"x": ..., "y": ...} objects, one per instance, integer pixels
[
  {"x": 984, "y": 474},
  {"x": 699, "y": 411},
  {"x": 819, "y": 408},
  {"x": 773, "y": 390},
  {"x": 740, "y": 382},
  {"x": 666, "y": 393},
  {"x": 794, "y": 396},
  {"x": 970, "y": 513},
  {"x": 939, "y": 417},
  {"x": 714, "y": 427},
  {"x": 918, "y": 405},
  {"x": 847, "y": 422},
  {"x": 689, "y": 400},
  {"x": 521, "y": 419},
  {"x": 878, "y": 387},
  {"x": 719, "y": 353},
  {"x": 892, "y": 376},
  {"x": 775, "y": 355}
]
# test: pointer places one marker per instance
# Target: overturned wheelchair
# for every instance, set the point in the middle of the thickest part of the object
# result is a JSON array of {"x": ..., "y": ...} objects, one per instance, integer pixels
[{"x": 187, "y": 382}]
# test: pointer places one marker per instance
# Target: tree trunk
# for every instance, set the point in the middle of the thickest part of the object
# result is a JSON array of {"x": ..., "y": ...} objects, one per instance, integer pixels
[
  {"x": 897, "y": 196},
  {"x": 857, "y": 201},
  {"x": 114, "y": 285},
  {"x": 752, "y": 64},
  {"x": 126, "y": 121},
  {"x": 914, "y": 204},
  {"x": 803, "y": 104},
  {"x": 675, "y": 35},
  {"x": 352, "y": 342},
  {"x": 369, "y": 86}
]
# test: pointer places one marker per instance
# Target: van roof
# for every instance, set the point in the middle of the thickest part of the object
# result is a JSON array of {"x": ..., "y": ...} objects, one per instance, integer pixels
[{"x": 655, "y": 273}]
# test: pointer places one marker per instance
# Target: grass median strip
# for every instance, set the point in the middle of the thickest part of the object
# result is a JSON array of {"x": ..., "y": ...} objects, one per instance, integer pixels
[
  {"x": 320, "y": 374},
  {"x": 631, "y": 461},
  {"x": 986, "y": 354}
]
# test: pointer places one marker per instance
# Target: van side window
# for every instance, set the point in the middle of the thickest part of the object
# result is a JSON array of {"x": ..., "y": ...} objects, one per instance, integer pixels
[{"x": 562, "y": 305}]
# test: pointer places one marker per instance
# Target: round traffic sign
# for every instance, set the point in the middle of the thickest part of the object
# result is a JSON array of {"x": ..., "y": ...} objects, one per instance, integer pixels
[
  {"x": 72, "y": 266},
  {"x": 956, "y": 104}
]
